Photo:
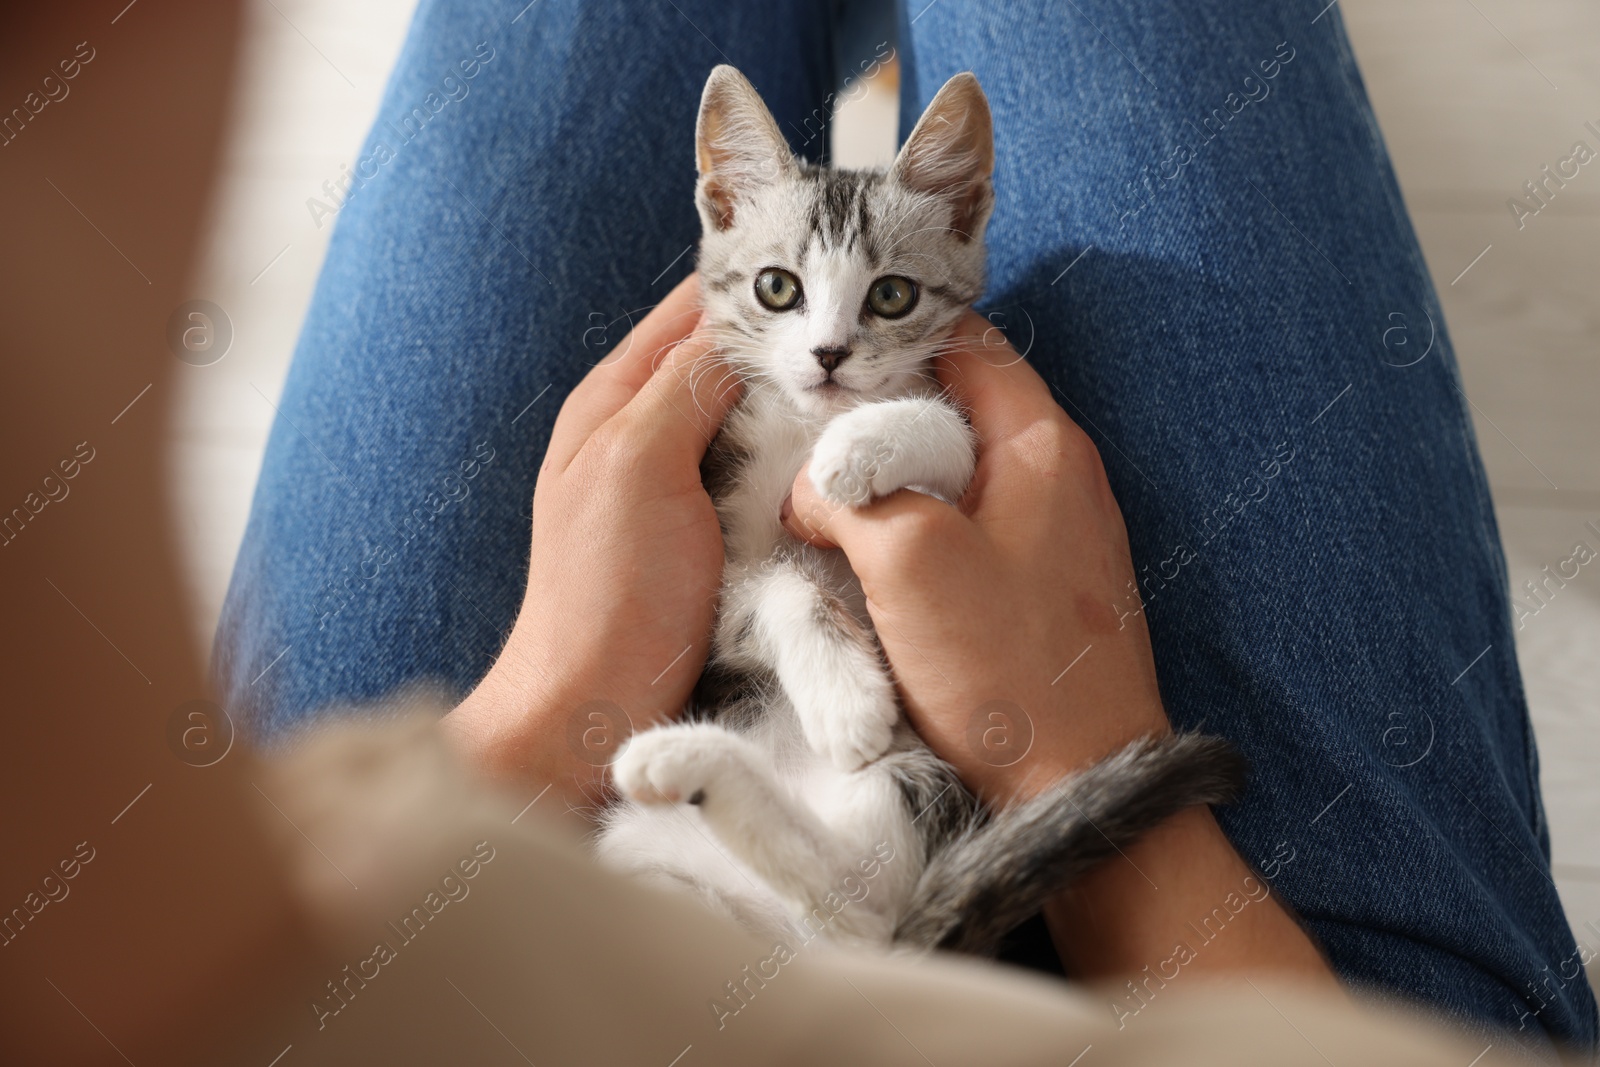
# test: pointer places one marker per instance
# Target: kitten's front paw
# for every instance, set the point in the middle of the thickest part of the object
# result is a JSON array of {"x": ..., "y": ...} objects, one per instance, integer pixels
[
  {"x": 849, "y": 467},
  {"x": 672, "y": 764},
  {"x": 862, "y": 734}
]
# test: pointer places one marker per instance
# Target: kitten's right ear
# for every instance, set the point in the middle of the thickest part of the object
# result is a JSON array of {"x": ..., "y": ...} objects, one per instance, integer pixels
[{"x": 738, "y": 146}]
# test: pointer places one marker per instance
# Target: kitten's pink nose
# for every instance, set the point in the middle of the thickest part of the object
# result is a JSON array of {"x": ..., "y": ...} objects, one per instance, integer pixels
[{"x": 830, "y": 356}]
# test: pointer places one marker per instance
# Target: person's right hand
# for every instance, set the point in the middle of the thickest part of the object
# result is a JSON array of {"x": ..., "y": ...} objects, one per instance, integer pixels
[
  {"x": 1010, "y": 621},
  {"x": 1011, "y": 627}
]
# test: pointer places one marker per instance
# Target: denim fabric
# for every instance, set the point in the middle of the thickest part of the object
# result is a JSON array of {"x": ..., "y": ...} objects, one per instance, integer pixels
[{"x": 1198, "y": 241}]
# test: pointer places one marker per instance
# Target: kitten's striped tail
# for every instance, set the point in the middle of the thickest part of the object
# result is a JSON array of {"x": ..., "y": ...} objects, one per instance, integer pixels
[{"x": 988, "y": 882}]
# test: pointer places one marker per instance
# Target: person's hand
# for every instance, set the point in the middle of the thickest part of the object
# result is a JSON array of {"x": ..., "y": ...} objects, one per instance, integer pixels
[
  {"x": 625, "y": 564},
  {"x": 1019, "y": 649},
  {"x": 1021, "y": 654}
]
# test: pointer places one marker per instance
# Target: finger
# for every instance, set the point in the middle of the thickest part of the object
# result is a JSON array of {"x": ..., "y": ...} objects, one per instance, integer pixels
[
  {"x": 799, "y": 528},
  {"x": 617, "y": 378},
  {"x": 681, "y": 407},
  {"x": 1026, "y": 442},
  {"x": 1001, "y": 393},
  {"x": 669, "y": 322},
  {"x": 895, "y": 528}
]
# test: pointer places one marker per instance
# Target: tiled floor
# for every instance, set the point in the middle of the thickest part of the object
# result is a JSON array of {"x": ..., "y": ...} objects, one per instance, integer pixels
[{"x": 1474, "y": 97}]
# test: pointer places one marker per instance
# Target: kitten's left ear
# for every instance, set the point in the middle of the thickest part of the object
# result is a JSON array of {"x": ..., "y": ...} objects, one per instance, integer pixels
[
  {"x": 950, "y": 154},
  {"x": 738, "y": 146}
]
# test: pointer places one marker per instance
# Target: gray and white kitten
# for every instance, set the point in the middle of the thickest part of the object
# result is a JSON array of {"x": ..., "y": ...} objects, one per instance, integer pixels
[{"x": 795, "y": 798}]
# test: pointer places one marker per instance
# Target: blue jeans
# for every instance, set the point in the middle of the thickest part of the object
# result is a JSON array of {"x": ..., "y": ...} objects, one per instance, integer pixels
[{"x": 1198, "y": 242}]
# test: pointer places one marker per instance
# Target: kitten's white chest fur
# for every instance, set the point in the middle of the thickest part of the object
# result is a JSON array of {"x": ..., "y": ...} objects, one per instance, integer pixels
[{"x": 795, "y": 610}]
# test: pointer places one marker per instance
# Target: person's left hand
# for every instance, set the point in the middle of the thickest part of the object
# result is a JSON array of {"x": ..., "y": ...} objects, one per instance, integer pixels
[{"x": 625, "y": 564}]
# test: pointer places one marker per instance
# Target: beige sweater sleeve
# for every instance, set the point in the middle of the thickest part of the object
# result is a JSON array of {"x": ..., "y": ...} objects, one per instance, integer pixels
[{"x": 457, "y": 929}]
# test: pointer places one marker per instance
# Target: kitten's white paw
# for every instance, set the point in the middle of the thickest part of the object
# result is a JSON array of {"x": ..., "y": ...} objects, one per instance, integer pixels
[
  {"x": 674, "y": 764},
  {"x": 851, "y": 463},
  {"x": 850, "y": 720}
]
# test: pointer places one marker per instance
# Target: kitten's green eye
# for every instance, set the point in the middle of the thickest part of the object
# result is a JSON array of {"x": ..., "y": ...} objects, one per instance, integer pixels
[
  {"x": 892, "y": 297},
  {"x": 778, "y": 289}
]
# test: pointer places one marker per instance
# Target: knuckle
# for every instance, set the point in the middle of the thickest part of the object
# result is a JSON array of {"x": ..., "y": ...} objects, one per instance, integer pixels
[
  {"x": 917, "y": 532},
  {"x": 1057, "y": 449},
  {"x": 613, "y": 450},
  {"x": 1080, "y": 454}
]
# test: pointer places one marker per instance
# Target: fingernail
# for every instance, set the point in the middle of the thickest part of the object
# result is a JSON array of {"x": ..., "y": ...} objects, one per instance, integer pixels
[{"x": 786, "y": 509}]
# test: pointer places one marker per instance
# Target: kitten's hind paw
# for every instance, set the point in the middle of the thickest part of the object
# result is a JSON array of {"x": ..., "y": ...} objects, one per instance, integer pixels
[{"x": 678, "y": 764}]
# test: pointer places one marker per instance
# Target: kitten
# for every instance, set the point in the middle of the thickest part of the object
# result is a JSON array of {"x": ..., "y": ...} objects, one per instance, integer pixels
[{"x": 794, "y": 797}]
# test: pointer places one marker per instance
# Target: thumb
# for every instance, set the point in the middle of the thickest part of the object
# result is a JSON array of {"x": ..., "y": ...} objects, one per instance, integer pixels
[
  {"x": 682, "y": 405},
  {"x": 898, "y": 526}
]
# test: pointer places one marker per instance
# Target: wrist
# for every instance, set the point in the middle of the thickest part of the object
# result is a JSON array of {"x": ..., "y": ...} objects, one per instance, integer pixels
[
  {"x": 513, "y": 727},
  {"x": 1062, "y": 749},
  {"x": 1180, "y": 898}
]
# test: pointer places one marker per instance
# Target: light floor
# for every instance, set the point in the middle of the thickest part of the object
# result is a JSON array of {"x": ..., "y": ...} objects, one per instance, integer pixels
[{"x": 1474, "y": 97}]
